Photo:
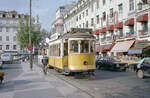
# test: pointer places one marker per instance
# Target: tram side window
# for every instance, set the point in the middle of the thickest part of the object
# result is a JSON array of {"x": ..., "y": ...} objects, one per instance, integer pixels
[
  {"x": 74, "y": 47},
  {"x": 84, "y": 46},
  {"x": 55, "y": 50},
  {"x": 65, "y": 49},
  {"x": 92, "y": 46}
]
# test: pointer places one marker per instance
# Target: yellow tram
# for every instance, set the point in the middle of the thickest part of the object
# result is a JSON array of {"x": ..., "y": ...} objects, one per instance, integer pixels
[{"x": 73, "y": 52}]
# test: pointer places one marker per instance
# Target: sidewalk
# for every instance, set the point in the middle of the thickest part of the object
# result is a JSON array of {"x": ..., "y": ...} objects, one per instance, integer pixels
[{"x": 34, "y": 84}]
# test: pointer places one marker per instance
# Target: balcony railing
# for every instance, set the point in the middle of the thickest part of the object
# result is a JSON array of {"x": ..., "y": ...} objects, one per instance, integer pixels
[
  {"x": 130, "y": 34},
  {"x": 9, "y": 25},
  {"x": 143, "y": 33},
  {"x": 109, "y": 39}
]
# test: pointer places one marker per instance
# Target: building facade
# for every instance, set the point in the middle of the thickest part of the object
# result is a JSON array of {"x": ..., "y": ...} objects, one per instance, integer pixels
[
  {"x": 58, "y": 24},
  {"x": 9, "y": 23},
  {"x": 112, "y": 21}
]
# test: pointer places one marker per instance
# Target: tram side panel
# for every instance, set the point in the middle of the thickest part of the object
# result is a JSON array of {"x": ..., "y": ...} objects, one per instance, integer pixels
[
  {"x": 81, "y": 62},
  {"x": 58, "y": 62}
]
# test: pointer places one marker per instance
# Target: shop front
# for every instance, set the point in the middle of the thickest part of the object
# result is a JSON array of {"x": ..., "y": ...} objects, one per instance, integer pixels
[
  {"x": 121, "y": 48},
  {"x": 105, "y": 49},
  {"x": 141, "y": 48}
]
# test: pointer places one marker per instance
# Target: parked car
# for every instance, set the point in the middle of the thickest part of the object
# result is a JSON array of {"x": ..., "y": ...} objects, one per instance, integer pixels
[
  {"x": 7, "y": 58},
  {"x": 111, "y": 64},
  {"x": 143, "y": 68}
]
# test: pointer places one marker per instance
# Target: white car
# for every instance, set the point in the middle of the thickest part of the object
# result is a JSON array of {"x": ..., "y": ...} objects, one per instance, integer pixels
[{"x": 6, "y": 58}]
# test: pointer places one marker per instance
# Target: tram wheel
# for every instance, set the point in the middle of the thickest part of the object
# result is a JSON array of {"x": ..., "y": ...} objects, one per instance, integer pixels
[{"x": 66, "y": 71}]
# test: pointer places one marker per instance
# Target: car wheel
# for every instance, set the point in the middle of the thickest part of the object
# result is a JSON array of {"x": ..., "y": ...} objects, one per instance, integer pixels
[{"x": 140, "y": 74}]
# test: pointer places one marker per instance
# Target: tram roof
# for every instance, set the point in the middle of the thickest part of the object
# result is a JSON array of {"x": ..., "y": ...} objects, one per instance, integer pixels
[{"x": 78, "y": 33}]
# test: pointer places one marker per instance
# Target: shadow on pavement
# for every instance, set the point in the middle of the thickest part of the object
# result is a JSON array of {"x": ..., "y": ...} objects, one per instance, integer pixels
[{"x": 9, "y": 86}]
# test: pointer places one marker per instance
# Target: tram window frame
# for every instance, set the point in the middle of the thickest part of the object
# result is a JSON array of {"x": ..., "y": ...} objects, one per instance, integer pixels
[
  {"x": 83, "y": 47},
  {"x": 65, "y": 49},
  {"x": 92, "y": 43},
  {"x": 74, "y": 49},
  {"x": 55, "y": 50}
]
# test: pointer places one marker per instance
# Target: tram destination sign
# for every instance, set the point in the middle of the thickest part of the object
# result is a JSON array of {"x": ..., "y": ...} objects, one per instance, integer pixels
[{"x": 81, "y": 30}]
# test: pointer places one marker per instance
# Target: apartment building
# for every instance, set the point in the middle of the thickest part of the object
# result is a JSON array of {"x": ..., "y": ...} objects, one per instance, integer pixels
[
  {"x": 58, "y": 24},
  {"x": 9, "y": 23},
  {"x": 114, "y": 22}
]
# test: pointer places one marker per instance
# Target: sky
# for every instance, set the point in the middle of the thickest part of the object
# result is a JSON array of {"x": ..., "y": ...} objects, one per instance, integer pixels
[{"x": 45, "y": 9}]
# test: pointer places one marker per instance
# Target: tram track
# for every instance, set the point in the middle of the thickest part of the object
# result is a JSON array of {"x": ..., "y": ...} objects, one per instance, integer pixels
[
  {"x": 69, "y": 80},
  {"x": 72, "y": 82}
]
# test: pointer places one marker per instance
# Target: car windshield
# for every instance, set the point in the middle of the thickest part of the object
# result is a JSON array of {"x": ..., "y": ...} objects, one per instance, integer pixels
[{"x": 147, "y": 61}]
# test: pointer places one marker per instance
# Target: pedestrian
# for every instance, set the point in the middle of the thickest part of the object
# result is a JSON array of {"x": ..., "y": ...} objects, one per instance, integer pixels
[{"x": 44, "y": 62}]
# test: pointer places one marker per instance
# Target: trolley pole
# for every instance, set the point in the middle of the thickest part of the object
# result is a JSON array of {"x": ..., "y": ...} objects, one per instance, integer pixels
[{"x": 30, "y": 25}]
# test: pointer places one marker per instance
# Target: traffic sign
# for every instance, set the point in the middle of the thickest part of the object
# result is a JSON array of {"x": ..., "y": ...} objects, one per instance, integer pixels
[{"x": 30, "y": 47}]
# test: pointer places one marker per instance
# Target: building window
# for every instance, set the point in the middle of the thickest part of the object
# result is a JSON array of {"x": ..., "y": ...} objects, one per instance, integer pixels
[
  {"x": 83, "y": 25},
  {"x": 145, "y": 2},
  {"x": 97, "y": 3},
  {"x": 0, "y": 38},
  {"x": 0, "y": 29},
  {"x": 77, "y": 18},
  {"x": 14, "y": 47},
  {"x": 7, "y": 47},
  {"x": 131, "y": 5},
  {"x": 104, "y": 16},
  {"x": 87, "y": 24},
  {"x": 87, "y": 12},
  {"x": 97, "y": 18},
  {"x": 104, "y": 2},
  {"x": 7, "y": 29},
  {"x": 7, "y": 38},
  {"x": 120, "y": 7},
  {"x": 14, "y": 30},
  {"x": 14, "y": 38},
  {"x": 0, "y": 47},
  {"x": 145, "y": 26},
  {"x": 92, "y": 7},
  {"x": 80, "y": 17},
  {"x": 7, "y": 22},
  {"x": 111, "y": 13},
  {"x": 83, "y": 14},
  {"x": 0, "y": 21},
  {"x": 92, "y": 21}
]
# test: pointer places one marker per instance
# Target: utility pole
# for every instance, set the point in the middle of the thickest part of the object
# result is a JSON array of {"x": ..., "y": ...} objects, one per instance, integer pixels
[
  {"x": 30, "y": 25},
  {"x": 30, "y": 22}
]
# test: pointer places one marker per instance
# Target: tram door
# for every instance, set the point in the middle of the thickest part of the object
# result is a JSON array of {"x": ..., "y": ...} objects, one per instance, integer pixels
[{"x": 65, "y": 54}]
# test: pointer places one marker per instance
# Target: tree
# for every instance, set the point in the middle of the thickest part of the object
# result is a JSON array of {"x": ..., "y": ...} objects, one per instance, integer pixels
[{"x": 23, "y": 35}]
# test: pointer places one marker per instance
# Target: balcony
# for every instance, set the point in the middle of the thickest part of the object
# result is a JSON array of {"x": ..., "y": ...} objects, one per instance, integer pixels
[
  {"x": 142, "y": 6},
  {"x": 130, "y": 34},
  {"x": 103, "y": 40},
  {"x": 109, "y": 39},
  {"x": 143, "y": 33},
  {"x": 9, "y": 25}
]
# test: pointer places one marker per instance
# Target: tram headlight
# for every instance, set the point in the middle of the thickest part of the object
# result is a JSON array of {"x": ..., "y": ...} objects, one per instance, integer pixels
[{"x": 85, "y": 62}]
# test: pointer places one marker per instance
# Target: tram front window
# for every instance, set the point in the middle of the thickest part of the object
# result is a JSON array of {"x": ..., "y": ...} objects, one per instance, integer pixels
[
  {"x": 74, "y": 47},
  {"x": 84, "y": 46}
]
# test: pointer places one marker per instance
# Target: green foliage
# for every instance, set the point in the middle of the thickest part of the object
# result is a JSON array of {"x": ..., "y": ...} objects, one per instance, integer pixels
[{"x": 23, "y": 33}]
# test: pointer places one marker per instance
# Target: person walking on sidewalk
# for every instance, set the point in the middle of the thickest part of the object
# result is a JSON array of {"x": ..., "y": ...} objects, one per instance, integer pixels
[{"x": 44, "y": 62}]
